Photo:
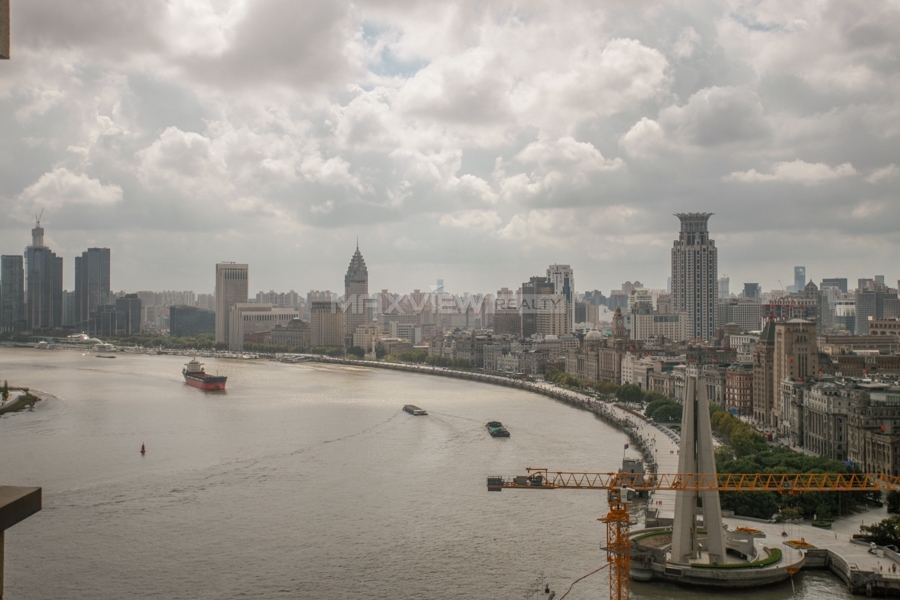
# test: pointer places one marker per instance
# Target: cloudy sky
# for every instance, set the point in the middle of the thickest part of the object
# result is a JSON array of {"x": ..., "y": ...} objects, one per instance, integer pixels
[{"x": 473, "y": 141}]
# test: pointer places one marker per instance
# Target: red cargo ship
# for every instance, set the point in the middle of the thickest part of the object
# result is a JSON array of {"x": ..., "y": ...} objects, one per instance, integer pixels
[{"x": 195, "y": 375}]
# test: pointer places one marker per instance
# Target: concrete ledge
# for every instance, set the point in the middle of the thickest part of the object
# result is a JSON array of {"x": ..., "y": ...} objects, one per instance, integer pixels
[{"x": 17, "y": 504}]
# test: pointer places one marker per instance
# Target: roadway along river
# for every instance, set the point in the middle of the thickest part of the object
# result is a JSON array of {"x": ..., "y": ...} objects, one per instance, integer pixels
[{"x": 300, "y": 481}]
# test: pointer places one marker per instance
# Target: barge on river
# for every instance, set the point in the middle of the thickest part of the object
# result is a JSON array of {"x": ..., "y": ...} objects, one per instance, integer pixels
[
  {"x": 414, "y": 410},
  {"x": 496, "y": 429}
]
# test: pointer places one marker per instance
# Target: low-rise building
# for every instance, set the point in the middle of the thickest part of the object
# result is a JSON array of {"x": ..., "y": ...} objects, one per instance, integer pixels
[
  {"x": 294, "y": 334},
  {"x": 873, "y": 430},
  {"x": 367, "y": 336},
  {"x": 826, "y": 409},
  {"x": 251, "y": 319},
  {"x": 648, "y": 324}
]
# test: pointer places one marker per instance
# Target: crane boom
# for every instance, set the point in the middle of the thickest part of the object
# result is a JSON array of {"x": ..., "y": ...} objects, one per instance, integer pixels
[{"x": 544, "y": 479}]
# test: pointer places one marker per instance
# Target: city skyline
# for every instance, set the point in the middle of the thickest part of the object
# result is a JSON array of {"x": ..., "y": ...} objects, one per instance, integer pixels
[
  {"x": 465, "y": 143},
  {"x": 327, "y": 283}
]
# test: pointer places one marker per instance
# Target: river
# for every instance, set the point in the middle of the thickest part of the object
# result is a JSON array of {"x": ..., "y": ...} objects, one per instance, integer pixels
[{"x": 301, "y": 481}]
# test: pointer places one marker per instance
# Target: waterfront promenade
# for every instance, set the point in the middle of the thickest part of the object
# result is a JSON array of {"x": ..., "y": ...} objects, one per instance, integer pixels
[{"x": 658, "y": 442}]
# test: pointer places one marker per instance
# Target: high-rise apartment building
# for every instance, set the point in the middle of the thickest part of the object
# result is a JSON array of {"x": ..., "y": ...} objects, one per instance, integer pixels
[
  {"x": 43, "y": 284},
  {"x": 563, "y": 279},
  {"x": 12, "y": 293},
  {"x": 695, "y": 275},
  {"x": 231, "y": 289},
  {"x": 356, "y": 296},
  {"x": 91, "y": 286}
]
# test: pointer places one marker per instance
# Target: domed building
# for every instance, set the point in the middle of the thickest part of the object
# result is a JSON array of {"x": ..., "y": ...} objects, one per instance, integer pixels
[{"x": 599, "y": 358}]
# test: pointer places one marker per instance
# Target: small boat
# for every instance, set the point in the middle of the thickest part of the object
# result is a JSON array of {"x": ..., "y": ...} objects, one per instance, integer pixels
[
  {"x": 414, "y": 410},
  {"x": 101, "y": 356},
  {"x": 195, "y": 375},
  {"x": 496, "y": 429}
]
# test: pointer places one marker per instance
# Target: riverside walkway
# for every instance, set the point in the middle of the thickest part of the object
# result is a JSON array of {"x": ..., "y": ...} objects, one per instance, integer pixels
[{"x": 658, "y": 446}]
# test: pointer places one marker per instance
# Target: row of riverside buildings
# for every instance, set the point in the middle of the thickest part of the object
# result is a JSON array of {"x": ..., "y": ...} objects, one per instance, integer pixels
[{"x": 799, "y": 366}]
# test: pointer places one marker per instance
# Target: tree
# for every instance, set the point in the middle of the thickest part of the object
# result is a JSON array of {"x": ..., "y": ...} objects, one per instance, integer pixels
[
  {"x": 630, "y": 393},
  {"x": 356, "y": 351},
  {"x": 893, "y": 501},
  {"x": 379, "y": 351},
  {"x": 884, "y": 533},
  {"x": 671, "y": 413},
  {"x": 742, "y": 443}
]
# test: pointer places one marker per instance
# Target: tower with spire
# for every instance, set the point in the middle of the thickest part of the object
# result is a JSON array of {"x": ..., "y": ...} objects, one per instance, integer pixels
[
  {"x": 356, "y": 293},
  {"x": 43, "y": 283}
]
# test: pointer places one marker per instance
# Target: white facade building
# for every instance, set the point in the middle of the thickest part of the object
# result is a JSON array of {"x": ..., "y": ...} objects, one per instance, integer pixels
[{"x": 247, "y": 318}]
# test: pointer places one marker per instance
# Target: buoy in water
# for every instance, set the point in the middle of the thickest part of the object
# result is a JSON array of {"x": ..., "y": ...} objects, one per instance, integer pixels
[{"x": 143, "y": 449}]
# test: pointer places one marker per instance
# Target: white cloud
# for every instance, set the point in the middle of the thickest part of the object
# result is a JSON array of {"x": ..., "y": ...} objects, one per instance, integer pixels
[
  {"x": 687, "y": 40},
  {"x": 568, "y": 154},
  {"x": 184, "y": 162},
  {"x": 712, "y": 117},
  {"x": 472, "y": 220},
  {"x": 887, "y": 173},
  {"x": 556, "y": 171},
  {"x": 61, "y": 187},
  {"x": 796, "y": 171}
]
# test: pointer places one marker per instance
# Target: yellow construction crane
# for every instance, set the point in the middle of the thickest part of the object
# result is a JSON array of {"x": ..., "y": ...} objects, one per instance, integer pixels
[{"x": 618, "y": 543}]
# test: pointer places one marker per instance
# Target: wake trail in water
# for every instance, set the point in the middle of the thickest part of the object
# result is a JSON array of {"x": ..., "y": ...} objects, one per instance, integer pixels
[{"x": 364, "y": 431}]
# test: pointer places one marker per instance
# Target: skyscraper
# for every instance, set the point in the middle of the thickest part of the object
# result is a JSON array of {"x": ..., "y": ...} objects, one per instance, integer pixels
[
  {"x": 535, "y": 293},
  {"x": 43, "y": 284},
  {"x": 799, "y": 278},
  {"x": 695, "y": 275},
  {"x": 563, "y": 279},
  {"x": 356, "y": 292},
  {"x": 91, "y": 285},
  {"x": 752, "y": 291},
  {"x": 12, "y": 293},
  {"x": 231, "y": 288},
  {"x": 723, "y": 286}
]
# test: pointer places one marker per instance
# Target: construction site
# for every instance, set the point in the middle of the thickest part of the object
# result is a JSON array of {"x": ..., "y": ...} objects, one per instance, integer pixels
[{"x": 665, "y": 522}]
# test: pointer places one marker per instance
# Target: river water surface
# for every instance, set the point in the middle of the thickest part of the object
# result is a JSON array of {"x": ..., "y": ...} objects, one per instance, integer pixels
[{"x": 301, "y": 481}]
